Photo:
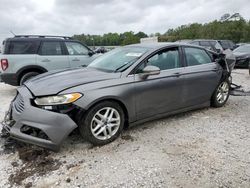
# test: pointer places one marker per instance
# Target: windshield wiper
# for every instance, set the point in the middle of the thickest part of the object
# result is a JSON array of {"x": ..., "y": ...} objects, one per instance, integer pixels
[{"x": 126, "y": 65}]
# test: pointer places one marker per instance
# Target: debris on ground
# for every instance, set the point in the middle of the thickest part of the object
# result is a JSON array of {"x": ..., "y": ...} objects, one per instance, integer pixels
[
  {"x": 35, "y": 161},
  {"x": 236, "y": 90}
]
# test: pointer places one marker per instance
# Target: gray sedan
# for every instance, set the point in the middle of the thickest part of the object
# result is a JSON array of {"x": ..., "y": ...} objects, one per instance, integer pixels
[{"x": 124, "y": 87}]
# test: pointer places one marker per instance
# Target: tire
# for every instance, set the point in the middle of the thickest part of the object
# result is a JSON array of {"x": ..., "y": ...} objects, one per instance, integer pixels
[
  {"x": 91, "y": 121},
  {"x": 220, "y": 95},
  {"x": 27, "y": 76}
]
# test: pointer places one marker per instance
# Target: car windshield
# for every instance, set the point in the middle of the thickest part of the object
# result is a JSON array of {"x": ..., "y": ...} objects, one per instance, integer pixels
[
  {"x": 243, "y": 49},
  {"x": 118, "y": 59}
]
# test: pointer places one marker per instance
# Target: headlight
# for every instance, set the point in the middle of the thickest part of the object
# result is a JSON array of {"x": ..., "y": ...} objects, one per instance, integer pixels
[{"x": 58, "y": 99}]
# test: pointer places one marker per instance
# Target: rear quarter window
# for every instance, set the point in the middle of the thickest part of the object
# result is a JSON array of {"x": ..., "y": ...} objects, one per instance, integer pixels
[
  {"x": 205, "y": 43},
  {"x": 51, "y": 48},
  {"x": 23, "y": 47}
]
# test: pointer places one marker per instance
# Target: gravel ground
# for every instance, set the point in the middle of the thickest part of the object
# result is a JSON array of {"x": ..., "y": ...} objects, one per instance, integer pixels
[{"x": 203, "y": 148}]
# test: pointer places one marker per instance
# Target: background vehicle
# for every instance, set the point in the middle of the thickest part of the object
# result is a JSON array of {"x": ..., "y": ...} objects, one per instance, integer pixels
[
  {"x": 125, "y": 86},
  {"x": 242, "y": 54},
  {"x": 240, "y": 44},
  {"x": 100, "y": 50},
  {"x": 184, "y": 41},
  {"x": 215, "y": 45},
  {"x": 227, "y": 44},
  {"x": 24, "y": 57}
]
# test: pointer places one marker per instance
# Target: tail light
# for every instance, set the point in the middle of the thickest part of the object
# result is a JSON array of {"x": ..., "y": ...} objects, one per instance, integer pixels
[{"x": 4, "y": 64}]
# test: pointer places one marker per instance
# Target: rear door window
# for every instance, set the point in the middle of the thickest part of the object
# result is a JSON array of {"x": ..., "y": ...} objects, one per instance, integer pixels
[
  {"x": 205, "y": 43},
  {"x": 225, "y": 45},
  {"x": 75, "y": 48},
  {"x": 196, "y": 56},
  {"x": 23, "y": 47},
  {"x": 51, "y": 48},
  {"x": 231, "y": 44}
]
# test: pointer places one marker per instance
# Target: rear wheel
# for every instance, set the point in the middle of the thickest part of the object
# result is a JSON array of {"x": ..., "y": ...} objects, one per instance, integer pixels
[
  {"x": 28, "y": 76},
  {"x": 103, "y": 123},
  {"x": 221, "y": 94}
]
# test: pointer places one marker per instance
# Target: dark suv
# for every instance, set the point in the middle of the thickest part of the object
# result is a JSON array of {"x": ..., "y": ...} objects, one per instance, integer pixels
[
  {"x": 27, "y": 56},
  {"x": 215, "y": 45}
]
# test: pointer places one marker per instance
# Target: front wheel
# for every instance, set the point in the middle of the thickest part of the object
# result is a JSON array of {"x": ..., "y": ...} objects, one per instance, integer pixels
[
  {"x": 221, "y": 94},
  {"x": 103, "y": 123}
]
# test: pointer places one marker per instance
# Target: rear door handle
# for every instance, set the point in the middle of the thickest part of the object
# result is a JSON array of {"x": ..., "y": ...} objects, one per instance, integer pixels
[
  {"x": 177, "y": 74},
  {"x": 75, "y": 59},
  {"x": 46, "y": 60}
]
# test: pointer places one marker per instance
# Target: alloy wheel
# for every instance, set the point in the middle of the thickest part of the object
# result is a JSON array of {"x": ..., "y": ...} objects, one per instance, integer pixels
[
  {"x": 222, "y": 92},
  {"x": 105, "y": 123}
]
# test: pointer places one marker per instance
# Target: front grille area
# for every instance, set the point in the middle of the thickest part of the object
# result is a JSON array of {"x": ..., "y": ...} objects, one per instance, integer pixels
[{"x": 19, "y": 103}]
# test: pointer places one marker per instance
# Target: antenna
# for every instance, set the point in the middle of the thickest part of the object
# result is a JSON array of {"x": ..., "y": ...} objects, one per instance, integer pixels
[{"x": 12, "y": 33}]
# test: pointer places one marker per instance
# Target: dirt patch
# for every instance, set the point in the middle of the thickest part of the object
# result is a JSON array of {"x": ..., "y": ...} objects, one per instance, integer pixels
[
  {"x": 35, "y": 161},
  {"x": 9, "y": 145},
  {"x": 127, "y": 137},
  {"x": 28, "y": 185}
]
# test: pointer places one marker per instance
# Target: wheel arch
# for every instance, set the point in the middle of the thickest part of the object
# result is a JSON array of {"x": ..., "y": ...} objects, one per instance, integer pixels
[{"x": 30, "y": 68}]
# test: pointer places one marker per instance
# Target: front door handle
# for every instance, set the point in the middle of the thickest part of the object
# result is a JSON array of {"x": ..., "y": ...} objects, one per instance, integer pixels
[
  {"x": 46, "y": 60},
  {"x": 75, "y": 59},
  {"x": 177, "y": 74}
]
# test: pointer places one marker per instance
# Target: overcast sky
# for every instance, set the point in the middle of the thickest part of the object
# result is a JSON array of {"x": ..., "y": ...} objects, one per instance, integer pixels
[{"x": 68, "y": 17}]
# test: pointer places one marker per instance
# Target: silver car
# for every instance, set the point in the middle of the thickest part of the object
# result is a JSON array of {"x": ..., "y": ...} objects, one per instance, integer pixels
[{"x": 124, "y": 87}]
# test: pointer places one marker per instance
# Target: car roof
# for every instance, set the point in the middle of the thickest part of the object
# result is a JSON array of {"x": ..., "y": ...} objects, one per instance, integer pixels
[
  {"x": 245, "y": 45},
  {"x": 205, "y": 40},
  {"x": 158, "y": 45},
  {"x": 216, "y": 40},
  {"x": 152, "y": 45},
  {"x": 37, "y": 39}
]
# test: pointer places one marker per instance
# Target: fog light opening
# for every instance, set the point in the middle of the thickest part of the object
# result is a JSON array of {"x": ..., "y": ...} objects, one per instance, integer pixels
[{"x": 32, "y": 131}]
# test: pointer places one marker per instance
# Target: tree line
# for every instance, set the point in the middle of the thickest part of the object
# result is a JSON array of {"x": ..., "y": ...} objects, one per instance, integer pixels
[
  {"x": 235, "y": 30},
  {"x": 111, "y": 39}
]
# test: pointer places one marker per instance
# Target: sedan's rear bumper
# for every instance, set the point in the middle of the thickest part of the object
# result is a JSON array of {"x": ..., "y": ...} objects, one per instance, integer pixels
[{"x": 22, "y": 115}]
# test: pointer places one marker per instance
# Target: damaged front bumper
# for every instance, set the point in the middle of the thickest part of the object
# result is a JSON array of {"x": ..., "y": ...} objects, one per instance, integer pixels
[{"x": 51, "y": 128}]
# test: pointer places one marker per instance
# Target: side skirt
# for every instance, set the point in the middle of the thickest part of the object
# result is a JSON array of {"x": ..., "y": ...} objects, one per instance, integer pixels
[{"x": 163, "y": 115}]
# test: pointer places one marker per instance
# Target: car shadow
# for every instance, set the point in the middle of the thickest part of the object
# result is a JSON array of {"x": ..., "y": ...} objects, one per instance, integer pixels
[{"x": 75, "y": 141}]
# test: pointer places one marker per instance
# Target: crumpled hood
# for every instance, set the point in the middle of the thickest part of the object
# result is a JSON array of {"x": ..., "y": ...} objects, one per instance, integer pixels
[{"x": 53, "y": 82}]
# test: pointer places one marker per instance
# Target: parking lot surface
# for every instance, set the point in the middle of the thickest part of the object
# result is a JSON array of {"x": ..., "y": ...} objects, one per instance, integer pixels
[{"x": 203, "y": 148}]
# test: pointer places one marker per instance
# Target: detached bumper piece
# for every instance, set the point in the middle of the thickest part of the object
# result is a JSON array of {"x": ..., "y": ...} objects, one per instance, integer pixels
[
  {"x": 236, "y": 90},
  {"x": 34, "y": 125}
]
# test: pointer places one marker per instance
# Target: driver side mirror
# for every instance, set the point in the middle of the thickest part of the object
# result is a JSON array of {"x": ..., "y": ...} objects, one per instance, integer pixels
[
  {"x": 150, "y": 71},
  {"x": 91, "y": 53}
]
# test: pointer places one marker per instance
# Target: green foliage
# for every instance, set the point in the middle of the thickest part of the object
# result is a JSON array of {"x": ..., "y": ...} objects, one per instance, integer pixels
[
  {"x": 111, "y": 39},
  {"x": 237, "y": 31}
]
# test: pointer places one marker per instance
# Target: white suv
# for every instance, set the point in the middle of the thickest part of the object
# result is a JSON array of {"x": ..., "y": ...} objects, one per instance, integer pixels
[{"x": 24, "y": 57}]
